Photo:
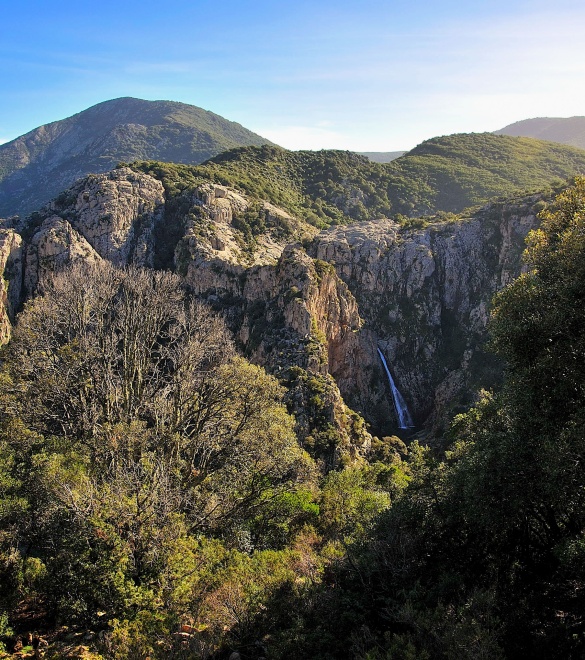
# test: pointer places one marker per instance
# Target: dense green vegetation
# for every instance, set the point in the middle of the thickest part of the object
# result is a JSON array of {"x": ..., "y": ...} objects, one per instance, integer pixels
[
  {"x": 315, "y": 186},
  {"x": 445, "y": 174},
  {"x": 482, "y": 556},
  {"x": 150, "y": 480},
  {"x": 153, "y": 495},
  {"x": 467, "y": 169}
]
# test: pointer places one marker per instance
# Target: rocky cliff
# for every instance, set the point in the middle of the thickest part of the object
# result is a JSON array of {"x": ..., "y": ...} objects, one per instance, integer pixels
[
  {"x": 108, "y": 216},
  {"x": 425, "y": 293},
  {"x": 11, "y": 268},
  {"x": 285, "y": 312},
  {"x": 311, "y": 307}
]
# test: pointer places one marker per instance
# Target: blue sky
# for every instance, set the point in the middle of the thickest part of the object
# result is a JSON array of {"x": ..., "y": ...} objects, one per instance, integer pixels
[{"x": 368, "y": 76}]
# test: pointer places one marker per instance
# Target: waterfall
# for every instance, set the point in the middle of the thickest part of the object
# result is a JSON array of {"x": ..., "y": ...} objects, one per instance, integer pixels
[{"x": 404, "y": 418}]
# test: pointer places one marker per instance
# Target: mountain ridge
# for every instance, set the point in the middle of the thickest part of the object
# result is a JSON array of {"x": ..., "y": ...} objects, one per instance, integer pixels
[
  {"x": 45, "y": 161},
  {"x": 442, "y": 175},
  {"x": 566, "y": 130}
]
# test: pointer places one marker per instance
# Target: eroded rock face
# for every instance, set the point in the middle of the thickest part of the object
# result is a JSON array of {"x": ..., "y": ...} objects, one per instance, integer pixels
[
  {"x": 116, "y": 213},
  {"x": 11, "y": 268},
  {"x": 296, "y": 294},
  {"x": 53, "y": 247},
  {"x": 213, "y": 230},
  {"x": 426, "y": 294},
  {"x": 296, "y": 314},
  {"x": 421, "y": 294},
  {"x": 108, "y": 216}
]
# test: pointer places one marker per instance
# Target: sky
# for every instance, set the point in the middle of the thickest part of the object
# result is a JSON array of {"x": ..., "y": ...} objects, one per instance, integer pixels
[{"x": 370, "y": 76}]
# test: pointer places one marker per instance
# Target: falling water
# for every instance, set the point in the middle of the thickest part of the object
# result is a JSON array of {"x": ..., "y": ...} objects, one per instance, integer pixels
[{"x": 404, "y": 418}]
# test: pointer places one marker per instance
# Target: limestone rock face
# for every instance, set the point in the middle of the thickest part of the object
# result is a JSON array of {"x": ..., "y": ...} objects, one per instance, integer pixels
[
  {"x": 11, "y": 268},
  {"x": 108, "y": 216},
  {"x": 296, "y": 294},
  {"x": 425, "y": 293},
  {"x": 116, "y": 213},
  {"x": 296, "y": 313},
  {"x": 213, "y": 230},
  {"x": 54, "y": 246}
]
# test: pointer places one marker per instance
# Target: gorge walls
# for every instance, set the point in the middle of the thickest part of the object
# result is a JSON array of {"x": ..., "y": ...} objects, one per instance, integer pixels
[{"x": 295, "y": 298}]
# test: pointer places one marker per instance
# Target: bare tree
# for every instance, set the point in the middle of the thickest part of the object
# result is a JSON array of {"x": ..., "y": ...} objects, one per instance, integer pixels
[
  {"x": 124, "y": 366},
  {"x": 103, "y": 346}
]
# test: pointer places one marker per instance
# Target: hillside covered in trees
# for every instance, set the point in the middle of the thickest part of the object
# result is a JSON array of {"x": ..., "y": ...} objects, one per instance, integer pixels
[{"x": 442, "y": 175}]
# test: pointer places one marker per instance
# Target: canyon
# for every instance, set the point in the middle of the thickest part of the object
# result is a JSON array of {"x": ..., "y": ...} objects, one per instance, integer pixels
[{"x": 301, "y": 302}]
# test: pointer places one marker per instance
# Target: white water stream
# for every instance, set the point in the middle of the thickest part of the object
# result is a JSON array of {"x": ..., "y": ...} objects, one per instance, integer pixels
[{"x": 404, "y": 418}]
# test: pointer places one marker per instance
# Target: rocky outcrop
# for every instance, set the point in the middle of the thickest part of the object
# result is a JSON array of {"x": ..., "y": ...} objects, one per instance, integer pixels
[
  {"x": 11, "y": 268},
  {"x": 124, "y": 217},
  {"x": 116, "y": 213},
  {"x": 53, "y": 247},
  {"x": 298, "y": 319},
  {"x": 297, "y": 293},
  {"x": 217, "y": 232},
  {"x": 109, "y": 216}
]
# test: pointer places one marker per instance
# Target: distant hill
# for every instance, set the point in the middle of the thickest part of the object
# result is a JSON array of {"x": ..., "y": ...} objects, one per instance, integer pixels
[
  {"x": 570, "y": 130},
  {"x": 456, "y": 171},
  {"x": 381, "y": 156},
  {"x": 445, "y": 174},
  {"x": 37, "y": 166}
]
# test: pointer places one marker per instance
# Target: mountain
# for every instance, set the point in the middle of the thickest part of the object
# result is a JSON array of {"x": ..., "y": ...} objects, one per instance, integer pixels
[
  {"x": 566, "y": 130},
  {"x": 37, "y": 166},
  {"x": 444, "y": 174}
]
